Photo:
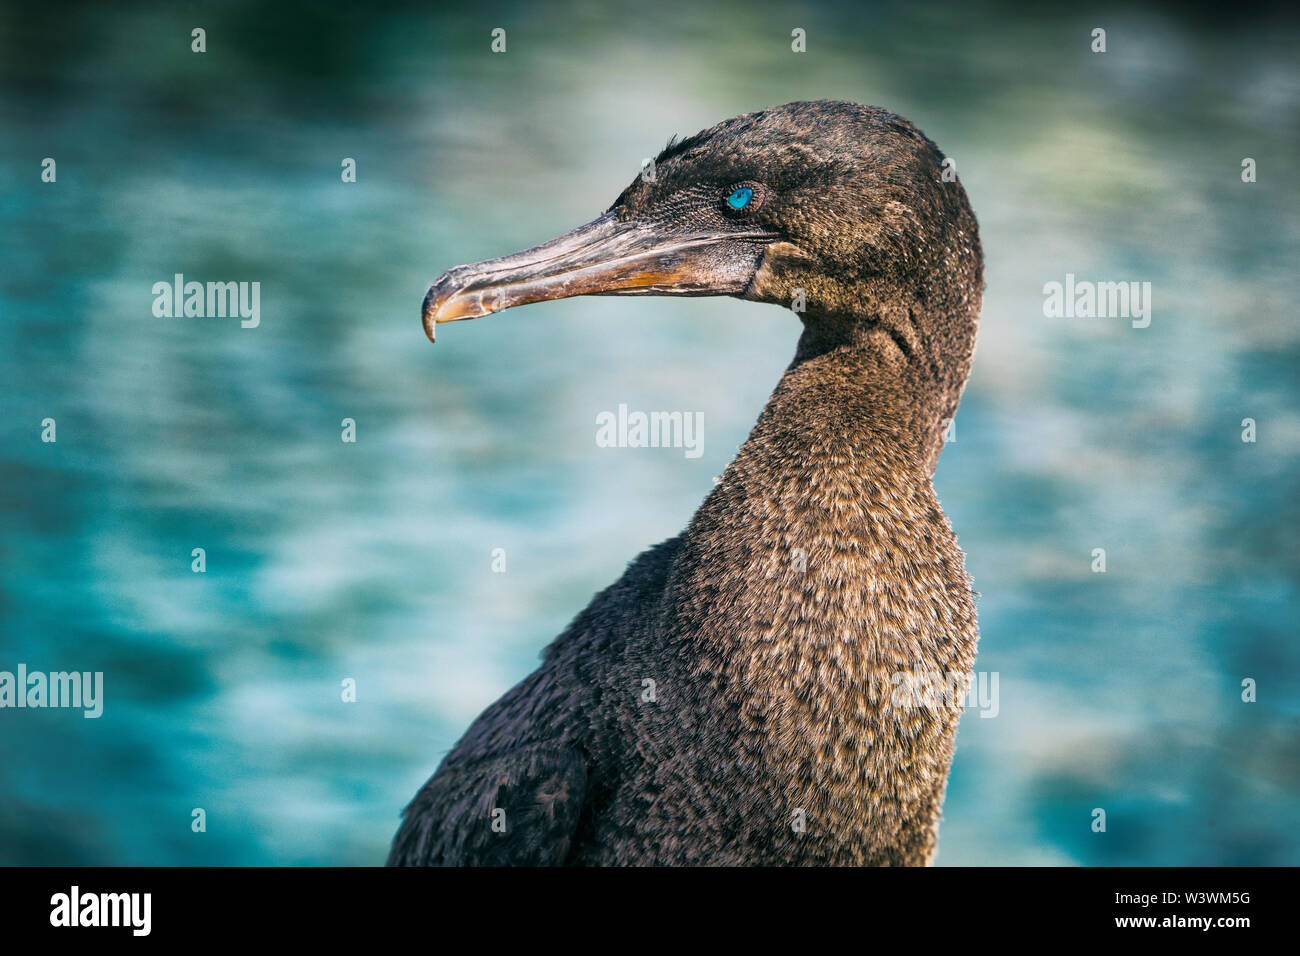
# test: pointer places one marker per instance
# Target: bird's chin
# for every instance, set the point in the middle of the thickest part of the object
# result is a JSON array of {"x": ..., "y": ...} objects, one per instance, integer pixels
[
  {"x": 607, "y": 256},
  {"x": 772, "y": 278}
]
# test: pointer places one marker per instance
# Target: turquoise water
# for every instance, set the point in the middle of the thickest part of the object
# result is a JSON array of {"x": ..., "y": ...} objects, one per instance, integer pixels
[{"x": 372, "y": 560}]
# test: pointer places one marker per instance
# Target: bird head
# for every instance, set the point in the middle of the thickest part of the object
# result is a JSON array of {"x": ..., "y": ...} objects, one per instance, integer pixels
[{"x": 839, "y": 211}]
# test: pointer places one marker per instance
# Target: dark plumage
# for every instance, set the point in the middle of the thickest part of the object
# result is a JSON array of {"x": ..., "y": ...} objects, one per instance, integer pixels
[{"x": 819, "y": 567}]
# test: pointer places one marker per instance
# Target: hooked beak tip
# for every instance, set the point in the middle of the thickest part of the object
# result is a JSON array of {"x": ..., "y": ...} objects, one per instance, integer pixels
[
  {"x": 452, "y": 298},
  {"x": 429, "y": 312}
]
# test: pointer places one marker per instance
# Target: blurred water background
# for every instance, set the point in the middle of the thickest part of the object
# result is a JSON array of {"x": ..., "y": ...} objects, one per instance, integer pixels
[{"x": 372, "y": 561}]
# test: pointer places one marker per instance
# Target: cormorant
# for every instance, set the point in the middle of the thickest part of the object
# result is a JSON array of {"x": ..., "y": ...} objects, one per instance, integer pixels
[{"x": 818, "y": 585}]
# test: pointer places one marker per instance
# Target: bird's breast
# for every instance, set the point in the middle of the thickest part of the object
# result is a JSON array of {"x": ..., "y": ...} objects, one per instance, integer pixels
[{"x": 795, "y": 623}]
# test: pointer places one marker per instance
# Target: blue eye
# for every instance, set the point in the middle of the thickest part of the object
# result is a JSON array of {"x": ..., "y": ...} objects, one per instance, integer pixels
[{"x": 740, "y": 198}]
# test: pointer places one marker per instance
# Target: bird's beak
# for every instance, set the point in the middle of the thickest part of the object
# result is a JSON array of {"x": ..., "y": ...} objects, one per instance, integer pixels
[{"x": 605, "y": 257}]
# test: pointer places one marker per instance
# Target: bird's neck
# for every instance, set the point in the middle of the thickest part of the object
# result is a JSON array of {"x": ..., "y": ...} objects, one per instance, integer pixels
[
  {"x": 839, "y": 463},
  {"x": 869, "y": 383},
  {"x": 819, "y": 572}
]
